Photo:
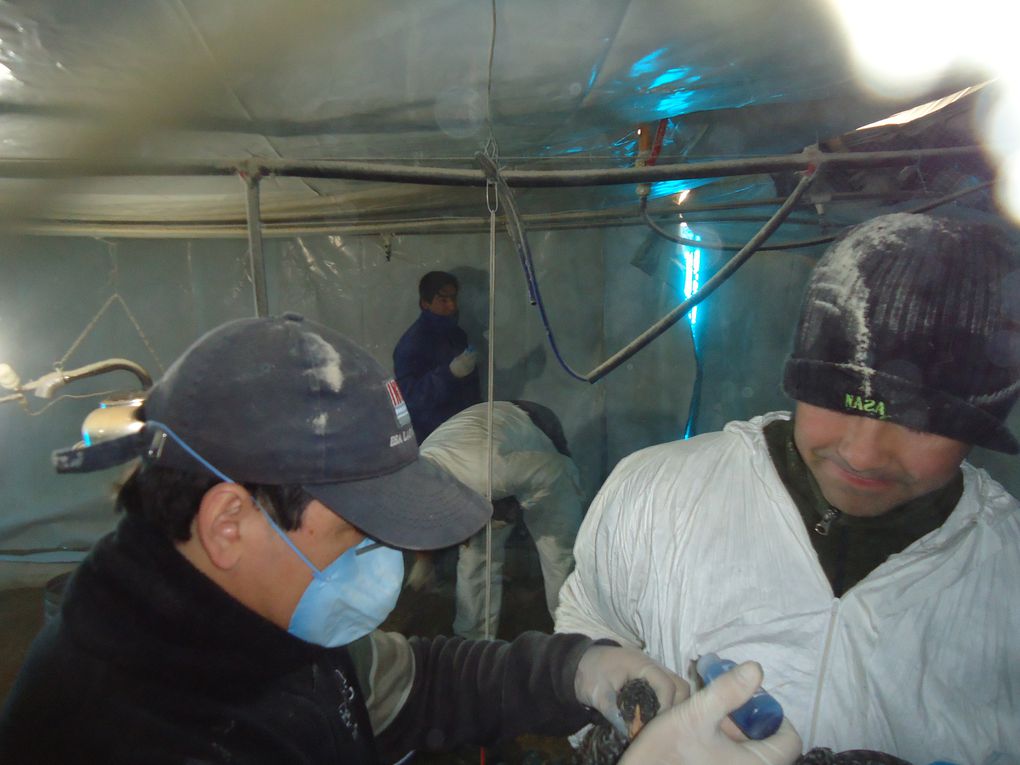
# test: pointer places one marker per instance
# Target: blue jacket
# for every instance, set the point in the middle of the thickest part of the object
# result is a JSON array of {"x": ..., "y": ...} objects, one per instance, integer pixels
[{"x": 421, "y": 365}]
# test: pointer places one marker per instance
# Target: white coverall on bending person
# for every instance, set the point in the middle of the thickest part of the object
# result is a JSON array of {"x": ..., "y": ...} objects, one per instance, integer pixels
[{"x": 526, "y": 465}]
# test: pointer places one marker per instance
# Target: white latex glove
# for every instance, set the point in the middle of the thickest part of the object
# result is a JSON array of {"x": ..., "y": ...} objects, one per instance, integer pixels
[
  {"x": 692, "y": 733},
  {"x": 605, "y": 669},
  {"x": 422, "y": 575},
  {"x": 464, "y": 364}
]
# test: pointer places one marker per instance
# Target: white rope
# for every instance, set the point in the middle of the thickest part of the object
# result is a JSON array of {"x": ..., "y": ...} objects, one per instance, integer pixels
[{"x": 492, "y": 203}]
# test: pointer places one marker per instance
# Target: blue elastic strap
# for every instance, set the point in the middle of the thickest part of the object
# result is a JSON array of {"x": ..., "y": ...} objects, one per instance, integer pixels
[{"x": 223, "y": 476}]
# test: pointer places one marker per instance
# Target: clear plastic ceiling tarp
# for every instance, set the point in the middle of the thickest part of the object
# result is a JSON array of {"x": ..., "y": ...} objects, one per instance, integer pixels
[{"x": 422, "y": 84}]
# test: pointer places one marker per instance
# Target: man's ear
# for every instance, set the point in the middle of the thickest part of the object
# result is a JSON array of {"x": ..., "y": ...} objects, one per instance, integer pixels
[{"x": 219, "y": 521}]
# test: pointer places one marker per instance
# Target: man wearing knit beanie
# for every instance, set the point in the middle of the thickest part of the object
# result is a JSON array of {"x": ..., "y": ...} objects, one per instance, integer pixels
[
  {"x": 906, "y": 322},
  {"x": 848, "y": 547}
]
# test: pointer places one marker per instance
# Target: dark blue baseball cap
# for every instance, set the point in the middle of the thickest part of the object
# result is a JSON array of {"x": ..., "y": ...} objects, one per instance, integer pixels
[{"x": 286, "y": 401}]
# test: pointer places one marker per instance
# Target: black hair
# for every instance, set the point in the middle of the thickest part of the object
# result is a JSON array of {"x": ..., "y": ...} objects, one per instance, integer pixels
[
  {"x": 169, "y": 499},
  {"x": 432, "y": 282}
]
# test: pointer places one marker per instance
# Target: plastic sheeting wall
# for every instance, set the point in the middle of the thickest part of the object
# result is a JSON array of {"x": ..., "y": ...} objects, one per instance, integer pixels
[
  {"x": 160, "y": 295},
  {"x": 601, "y": 288}
]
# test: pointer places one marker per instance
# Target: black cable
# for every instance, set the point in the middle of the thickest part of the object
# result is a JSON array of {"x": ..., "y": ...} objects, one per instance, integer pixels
[
  {"x": 800, "y": 243},
  {"x": 519, "y": 236},
  {"x": 710, "y": 286},
  {"x": 512, "y": 220}
]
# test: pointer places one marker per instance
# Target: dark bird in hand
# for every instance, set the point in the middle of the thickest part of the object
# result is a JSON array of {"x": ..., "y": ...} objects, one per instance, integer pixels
[{"x": 603, "y": 744}]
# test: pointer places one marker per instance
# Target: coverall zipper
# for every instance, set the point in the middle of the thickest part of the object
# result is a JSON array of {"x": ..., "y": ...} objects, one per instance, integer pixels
[
  {"x": 822, "y": 670},
  {"x": 822, "y": 527}
]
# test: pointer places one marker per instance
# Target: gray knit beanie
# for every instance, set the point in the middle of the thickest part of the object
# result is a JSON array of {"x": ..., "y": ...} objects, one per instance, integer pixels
[{"x": 916, "y": 320}]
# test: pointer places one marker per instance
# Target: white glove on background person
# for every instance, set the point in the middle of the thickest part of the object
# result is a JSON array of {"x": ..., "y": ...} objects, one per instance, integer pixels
[
  {"x": 464, "y": 364},
  {"x": 605, "y": 669},
  {"x": 691, "y": 733},
  {"x": 422, "y": 575}
]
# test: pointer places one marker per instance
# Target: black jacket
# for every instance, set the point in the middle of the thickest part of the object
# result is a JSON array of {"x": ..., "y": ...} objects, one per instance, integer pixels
[{"x": 151, "y": 662}]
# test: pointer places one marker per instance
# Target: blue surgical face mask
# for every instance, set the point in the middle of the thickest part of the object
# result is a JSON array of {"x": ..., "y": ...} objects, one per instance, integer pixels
[
  {"x": 351, "y": 596},
  {"x": 347, "y": 599}
]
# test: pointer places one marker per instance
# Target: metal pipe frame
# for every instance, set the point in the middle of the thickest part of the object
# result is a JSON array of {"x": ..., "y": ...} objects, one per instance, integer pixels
[
  {"x": 255, "y": 257},
  {"x": 439, "y": 176}
]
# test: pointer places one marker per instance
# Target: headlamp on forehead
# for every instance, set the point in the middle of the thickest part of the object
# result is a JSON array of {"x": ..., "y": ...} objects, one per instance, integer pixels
[
  {"x": 110, "y": 435},
  {"x": 115, "y": 418}
]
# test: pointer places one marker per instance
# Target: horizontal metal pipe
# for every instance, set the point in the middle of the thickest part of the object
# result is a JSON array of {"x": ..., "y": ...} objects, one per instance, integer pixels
[{"x": 438, "y": 176}]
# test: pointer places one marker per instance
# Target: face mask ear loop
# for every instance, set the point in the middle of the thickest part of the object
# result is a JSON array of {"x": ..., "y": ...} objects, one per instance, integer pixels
[{"x": 224, "y": 477}]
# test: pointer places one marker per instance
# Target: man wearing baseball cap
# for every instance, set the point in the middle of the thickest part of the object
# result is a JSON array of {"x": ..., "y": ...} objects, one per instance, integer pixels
[
  {"x": 849, "y": 548},
  {"x": 232, "y": 615}
]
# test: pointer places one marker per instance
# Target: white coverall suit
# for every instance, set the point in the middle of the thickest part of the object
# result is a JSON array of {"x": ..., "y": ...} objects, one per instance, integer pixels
[
  {"x": 695, "y": 546},
  {"x": 527, "y": 466}
]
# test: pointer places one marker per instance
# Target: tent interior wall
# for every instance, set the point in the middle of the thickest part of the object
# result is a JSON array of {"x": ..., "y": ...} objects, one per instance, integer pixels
[
  {"x": 146, "y": 300},
  {"x": 80, "y": 300}
]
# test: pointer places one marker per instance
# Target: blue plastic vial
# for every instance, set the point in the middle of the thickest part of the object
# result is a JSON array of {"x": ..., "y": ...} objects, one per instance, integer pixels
[{"x": 760, "y": 717}]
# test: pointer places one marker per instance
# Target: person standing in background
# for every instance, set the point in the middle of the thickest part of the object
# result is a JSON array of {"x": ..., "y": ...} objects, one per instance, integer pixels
[{"x": 435, "y": 367}]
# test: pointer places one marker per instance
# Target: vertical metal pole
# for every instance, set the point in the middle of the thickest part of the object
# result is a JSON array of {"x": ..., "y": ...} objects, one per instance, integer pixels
[{"x": 258, "y": 263}]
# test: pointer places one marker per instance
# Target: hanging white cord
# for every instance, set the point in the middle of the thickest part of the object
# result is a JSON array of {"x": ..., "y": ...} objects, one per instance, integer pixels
[{"x": 492, "y": 202}]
